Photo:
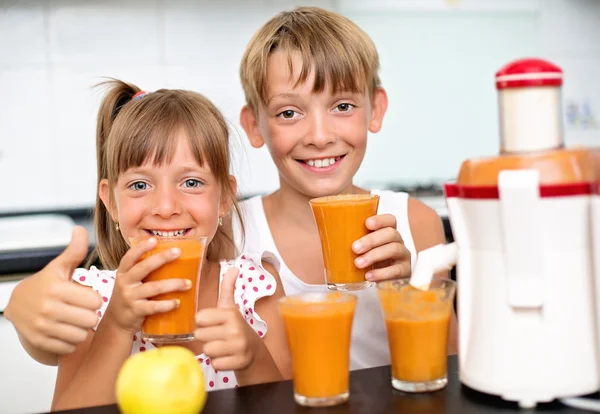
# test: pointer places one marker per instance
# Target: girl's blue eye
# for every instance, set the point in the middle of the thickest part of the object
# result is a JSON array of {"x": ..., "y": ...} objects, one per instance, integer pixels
[
  {"x": 192, "y": 183},
  {"x": 139, "y": 186}
]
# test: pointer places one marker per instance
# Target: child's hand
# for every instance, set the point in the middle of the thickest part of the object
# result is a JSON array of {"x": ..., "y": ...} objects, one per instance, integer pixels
[
  {"x": 383, "y": 248},
  {"x": 51, "y": 312},
  {"x": 129, "y": 303},
  {"x": 229, "y": 341}
]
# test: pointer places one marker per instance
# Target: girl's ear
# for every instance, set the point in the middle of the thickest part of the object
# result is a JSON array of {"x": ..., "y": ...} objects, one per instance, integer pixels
[
  {"x": 104, "y": 193},
  {"x": 250, "y": 125}
]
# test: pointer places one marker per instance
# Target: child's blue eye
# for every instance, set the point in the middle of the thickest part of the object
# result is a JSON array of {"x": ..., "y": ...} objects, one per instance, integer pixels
[
  {"x": 139, "y": 186},
  {"x": 192, "y": 183}
]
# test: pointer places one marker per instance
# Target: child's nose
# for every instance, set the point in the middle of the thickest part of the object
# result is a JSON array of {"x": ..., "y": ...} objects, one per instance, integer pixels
[
  {"x": 166, "y": 202},
  {"x": 319, "y": 132}
]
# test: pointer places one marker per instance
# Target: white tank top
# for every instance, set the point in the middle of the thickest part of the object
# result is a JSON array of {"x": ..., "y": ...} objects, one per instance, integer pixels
[{"x": 369, "y": 346}]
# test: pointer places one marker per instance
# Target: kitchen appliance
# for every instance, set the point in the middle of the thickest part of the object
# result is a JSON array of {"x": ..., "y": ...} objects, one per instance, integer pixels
[{"x": 522, "y": 223}]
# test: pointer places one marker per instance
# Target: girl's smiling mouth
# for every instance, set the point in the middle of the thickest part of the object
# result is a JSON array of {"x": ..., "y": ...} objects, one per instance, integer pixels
[{"x": 168, "y": 233}]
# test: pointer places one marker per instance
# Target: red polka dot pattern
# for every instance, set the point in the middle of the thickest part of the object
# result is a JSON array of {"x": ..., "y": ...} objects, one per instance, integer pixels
[{"x": 252, "y": 284}]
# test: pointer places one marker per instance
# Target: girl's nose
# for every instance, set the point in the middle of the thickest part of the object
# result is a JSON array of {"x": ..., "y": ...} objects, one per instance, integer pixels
[{"x": 166, "y": 202}]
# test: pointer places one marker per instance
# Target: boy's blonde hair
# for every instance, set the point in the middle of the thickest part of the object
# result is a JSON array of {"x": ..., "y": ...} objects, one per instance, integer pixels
[
  {"x": 342, "y": 55},
  {"x": 133, "y": 131}
]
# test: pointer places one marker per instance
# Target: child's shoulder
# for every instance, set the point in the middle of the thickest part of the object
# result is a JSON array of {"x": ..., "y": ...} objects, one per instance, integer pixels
[{"x": 426, "y": 225}]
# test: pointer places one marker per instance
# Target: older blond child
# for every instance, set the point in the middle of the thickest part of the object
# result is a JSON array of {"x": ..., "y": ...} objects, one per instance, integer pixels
[{"x": 313, "y": 93}]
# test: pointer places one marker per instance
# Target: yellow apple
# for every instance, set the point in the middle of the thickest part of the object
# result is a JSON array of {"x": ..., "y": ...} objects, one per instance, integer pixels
[{"x": 161, "y": 381}]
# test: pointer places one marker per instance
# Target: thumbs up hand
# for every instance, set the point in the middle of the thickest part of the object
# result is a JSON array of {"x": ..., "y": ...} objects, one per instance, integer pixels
[
  {"x": 51, "y": 314},
  {"x": 229, "y": 341}
]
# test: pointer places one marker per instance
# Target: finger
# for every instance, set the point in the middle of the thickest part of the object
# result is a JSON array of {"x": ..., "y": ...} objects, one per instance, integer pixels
[
  {"x": 135, "y": 252},
  {"x": 56, "y": 346},
  {"x": 227, "y": 289},
  {"x": 230, "y": 363},
  {"x": 210, "y": 333},
  {"x": 66, "y": 333},
  {"x": 222, "y": 348},
  {"x": 390, "y": 251},
  {"x": 394, "y": 271},
  {"x": 152, "y": 307},
  {"x": 375, "y": 239},
  {"x": 151, "y": 289},
  {"x": 79, "y": 296},
  {"x": 214, "y": 316},
  {"x": 142, "y": 269},
  {"x": 76, "y": 316},
  {"x": 75, "y": 252},
  {"x": 380, "y": 221}
]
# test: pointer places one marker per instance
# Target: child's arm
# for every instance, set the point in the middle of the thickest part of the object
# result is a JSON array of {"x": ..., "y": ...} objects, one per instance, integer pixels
[
  {"x": 427, "y": 230},
  {"x": 52, "y": 314},
  {"x": 274, "y": 346},
  {"x": 87, "y": 377},
  {"x": 232, "y": 344}
]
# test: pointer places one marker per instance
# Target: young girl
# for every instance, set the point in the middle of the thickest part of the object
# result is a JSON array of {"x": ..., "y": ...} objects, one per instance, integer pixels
[
  {"x": 313, "y": 94},
  {"x": 163, "y": 169}
]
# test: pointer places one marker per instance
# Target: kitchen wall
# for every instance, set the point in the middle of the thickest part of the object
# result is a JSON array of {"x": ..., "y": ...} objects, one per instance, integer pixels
[{"x": 438, "y": 62}]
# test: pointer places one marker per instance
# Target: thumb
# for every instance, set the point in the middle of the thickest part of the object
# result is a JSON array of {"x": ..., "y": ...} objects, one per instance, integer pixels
[
  {"x": 75, "y": 252},
  {"x": 227, "y": 289}
]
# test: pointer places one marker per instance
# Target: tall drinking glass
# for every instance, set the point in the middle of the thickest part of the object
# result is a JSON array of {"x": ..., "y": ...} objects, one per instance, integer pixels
[
  {"x": 178, "y": 324},
  {"x": 341, "y": 221}
]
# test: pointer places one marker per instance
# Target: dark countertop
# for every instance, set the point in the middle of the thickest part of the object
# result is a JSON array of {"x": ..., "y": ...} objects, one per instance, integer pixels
[{"x": 370, "y": 393}]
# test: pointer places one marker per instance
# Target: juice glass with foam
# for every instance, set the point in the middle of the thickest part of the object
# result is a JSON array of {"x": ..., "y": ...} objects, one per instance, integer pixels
[
  {"x": 417, "y": 326},
  {"x": 341, "y": 221},
  {"x": 318, "y": 328},
  {"x": 178, "y": 324}
]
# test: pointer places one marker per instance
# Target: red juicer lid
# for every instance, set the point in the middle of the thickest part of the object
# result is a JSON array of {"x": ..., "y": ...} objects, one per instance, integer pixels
[{"x": 529, "y": 72}]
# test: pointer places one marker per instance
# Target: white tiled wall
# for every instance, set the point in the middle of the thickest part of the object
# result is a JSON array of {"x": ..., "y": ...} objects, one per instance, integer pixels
[{"x": 438, "y": 61}]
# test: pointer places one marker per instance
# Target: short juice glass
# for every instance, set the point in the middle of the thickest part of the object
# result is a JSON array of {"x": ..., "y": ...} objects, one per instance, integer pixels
[
  {"x": 341, "y": 221},
  {"x": 417, "y": 326},
  {"x": 318, "y": 328},
  {"x": 178, "y": 324}
]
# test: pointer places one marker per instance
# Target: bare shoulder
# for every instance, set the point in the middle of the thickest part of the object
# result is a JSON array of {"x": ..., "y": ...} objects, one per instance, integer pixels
[{"x": 426, "y": 225}]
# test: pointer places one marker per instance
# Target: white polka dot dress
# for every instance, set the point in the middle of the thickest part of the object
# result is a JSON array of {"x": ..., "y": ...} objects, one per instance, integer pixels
[{"x": 253, "y": 283}]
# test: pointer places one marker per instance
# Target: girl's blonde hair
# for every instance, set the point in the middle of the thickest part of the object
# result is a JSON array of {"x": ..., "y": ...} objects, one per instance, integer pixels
[
  {"x": 341, "y": 53},
  {"x": 132, "y": 131}
]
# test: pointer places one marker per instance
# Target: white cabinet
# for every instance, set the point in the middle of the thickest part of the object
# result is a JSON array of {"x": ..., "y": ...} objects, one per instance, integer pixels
[{"x": 25, "y": 385}]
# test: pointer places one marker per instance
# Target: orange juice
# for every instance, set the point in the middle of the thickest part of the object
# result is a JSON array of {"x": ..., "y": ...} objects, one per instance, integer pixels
[
  {"x": 417, "y": 325},
  {"x": 176, "y": 325},
  {"x": 341, "y": 221},
  {"x": 318, "y": 328}
]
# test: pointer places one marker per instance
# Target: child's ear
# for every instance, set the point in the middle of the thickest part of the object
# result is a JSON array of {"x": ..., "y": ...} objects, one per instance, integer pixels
[
  {"x": 104, "y": 193},
  {"x": 250, "y": 125},
  {"x": 378, "y": 109}
]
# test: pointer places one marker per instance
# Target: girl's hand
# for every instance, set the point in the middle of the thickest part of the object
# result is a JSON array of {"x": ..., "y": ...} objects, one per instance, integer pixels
[
  {"x": 383, "y": 248},
  {"x": 129, "y": 303},
  {"x": 50, "y": 312},
  {"x": 229, "y": 341}
]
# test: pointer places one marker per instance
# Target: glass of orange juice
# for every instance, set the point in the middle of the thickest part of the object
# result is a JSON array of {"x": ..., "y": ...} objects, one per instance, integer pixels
[
  {"x": 318, "y": 328},
  {"x": 417, "y": 326},
  {"x": 341, "y": 221},
  {"x": 178, "y": 324}
]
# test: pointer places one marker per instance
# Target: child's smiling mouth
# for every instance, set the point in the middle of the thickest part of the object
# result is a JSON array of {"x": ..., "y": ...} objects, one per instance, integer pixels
[
  {"x": 168, "y": 233},
  {"x": 324, "y": 164}
]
